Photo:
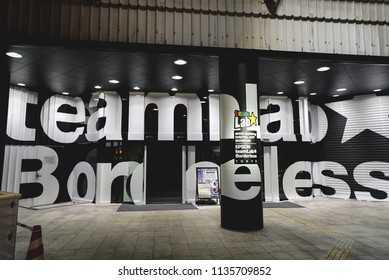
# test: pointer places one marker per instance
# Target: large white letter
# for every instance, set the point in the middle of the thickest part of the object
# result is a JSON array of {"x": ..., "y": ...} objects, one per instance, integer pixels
[
  {"x": 230, "y": 178},
  {"x": 362, "y": 175},
  {"x": 340, "y": 187},
  {"x": 214, "y": 121},
  {"x": 284, "y": 116},
  {"x": 112, "y": 113},
  {"x": 106, "y": 175},
  {"x": 290, "y": 183},
  {"x": 270, "y": 166},
  {"x": 50, "y": 116},
  {"x": 17, "y": 111},
  {"x": 136, "y": 116},
  {"x": 228, "y": 104},
  {"x": 13, "y": 176},
  {"x": 318, "y": 123},
  {"x": 82, "y": 167},
  {"x": 166, "y": 105}
]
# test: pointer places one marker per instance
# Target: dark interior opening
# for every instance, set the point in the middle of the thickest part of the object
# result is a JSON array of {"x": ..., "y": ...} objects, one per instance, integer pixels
[{"x": 164, "y": 172}]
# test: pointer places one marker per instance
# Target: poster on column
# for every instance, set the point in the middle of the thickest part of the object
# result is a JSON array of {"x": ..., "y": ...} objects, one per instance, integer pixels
[{"x": 246, "y": 147}]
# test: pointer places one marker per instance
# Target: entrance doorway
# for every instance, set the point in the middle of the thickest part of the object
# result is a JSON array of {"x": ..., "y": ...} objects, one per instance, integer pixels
[{"x": 164, "y": 172}]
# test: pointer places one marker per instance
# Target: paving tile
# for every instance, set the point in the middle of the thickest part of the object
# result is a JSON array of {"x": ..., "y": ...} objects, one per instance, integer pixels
[
  {"x": 272, "y": 248},
  {"x": 186, "y": 258},
  {"x": 242, "y": 256},
  {"x": 102, "y": 257},
  {"x": 237, "y": 250},
  {"x": 199, "y": 252},
  {"x": 181, "y": 252},
  {"x": 92, "y": 231},
  {"x": 85, "y": 254},
  {"x": 162, "y": 255},
  {"x": 218, "y": 244},
  {"x": 281, "y": 256}
]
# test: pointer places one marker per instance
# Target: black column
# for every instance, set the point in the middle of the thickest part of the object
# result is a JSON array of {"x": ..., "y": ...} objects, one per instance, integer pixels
[
  {"x": 241, "y": 192},
  {"x": 4, "y": 95}
]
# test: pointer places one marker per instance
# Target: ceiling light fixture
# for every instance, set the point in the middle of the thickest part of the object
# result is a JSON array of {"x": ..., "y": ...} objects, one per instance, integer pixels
[
  {"x": 323, "y": 69},
  {"x": 280, "y": 92},
  {"x": 177, "y": 77},
  {"x": 65, "y": 93},
  {"x": 113, "y": 81},
  {"x": 377, "y": 90},
  {"x": 211, "y": 90},
  {"x": 21, "y": 84},
  {"x": 312, "y": 93},
  {"x": 155, "y": 109},
  {"x": 97, "y": 87},
  {"x": 174, "y": 89},
  {"x": 335, "y": 95},
  {"x": 136, "y": 88},
  {"x": 299, "y": 82},
  {"x": 203, "y": 102},
  {"x": 14, "y": 55},
  {"x": 341, "y": 89},
  {"x": 180, "y": 62}
]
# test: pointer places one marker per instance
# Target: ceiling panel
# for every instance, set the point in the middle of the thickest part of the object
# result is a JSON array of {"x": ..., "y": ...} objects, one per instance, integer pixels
[
  {"x": 359, "y": 78},
  {"x": 56, "y": 69},
  {"x": 78, "y": 71}
]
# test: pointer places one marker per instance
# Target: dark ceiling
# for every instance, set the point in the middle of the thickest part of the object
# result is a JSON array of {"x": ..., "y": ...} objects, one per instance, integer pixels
[
  {"x": 277, "y": 75},
  {"x": 77, "y": 71}
]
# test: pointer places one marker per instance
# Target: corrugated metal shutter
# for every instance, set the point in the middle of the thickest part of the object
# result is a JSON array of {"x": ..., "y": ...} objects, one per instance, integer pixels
[
  {"x": 345, "y": 27},
  {"x": 357, "y": 138}
]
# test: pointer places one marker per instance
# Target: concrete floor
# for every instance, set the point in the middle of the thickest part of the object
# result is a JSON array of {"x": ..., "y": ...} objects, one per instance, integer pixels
[{"x": 323, "y": 229}]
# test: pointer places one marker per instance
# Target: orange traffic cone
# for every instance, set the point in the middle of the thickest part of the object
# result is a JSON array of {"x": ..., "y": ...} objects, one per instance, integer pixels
[{"x": 35, "y": 249}]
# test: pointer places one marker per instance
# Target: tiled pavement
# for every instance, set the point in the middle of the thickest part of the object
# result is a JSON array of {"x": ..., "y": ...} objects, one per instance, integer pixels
[{"x": 324, "y": 228}]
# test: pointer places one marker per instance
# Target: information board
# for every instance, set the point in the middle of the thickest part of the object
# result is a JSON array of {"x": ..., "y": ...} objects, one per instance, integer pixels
[
  {"x": 246, "y": 147},
  {"x": 207, "y": 182}
]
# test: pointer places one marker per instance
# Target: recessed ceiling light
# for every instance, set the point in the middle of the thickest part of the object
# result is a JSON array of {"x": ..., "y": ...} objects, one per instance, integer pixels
[
  {"x": 211, "y": 90},
  {"x": 21, "y": 84},
  {"x": 180, "y": 62},
  {"x": 377, "y": 90},
  {"x": 312, "y": 93},
  {"x": 97, "y": 87},
  {"x": 14, "y": 55},
  {"x": 177, "y": 77},
  {"x": 323, "y": 69},
  {"x": 335, "y": 95},
  {"x": 136, "y": 88},
  {"x": 280, "y": 92},
  {"x": 174, "y": 89},
  {"x": 299, "y": 82},
  {"x": 341, "y": 89},
  {"x": 113, "y": 81},
  {"x": 65, "y": 93}
]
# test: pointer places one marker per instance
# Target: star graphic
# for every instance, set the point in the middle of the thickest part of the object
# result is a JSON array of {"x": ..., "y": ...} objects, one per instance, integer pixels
[
  {"x": 253, "y": 119},
  {"x": 364, "y": 113}
]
